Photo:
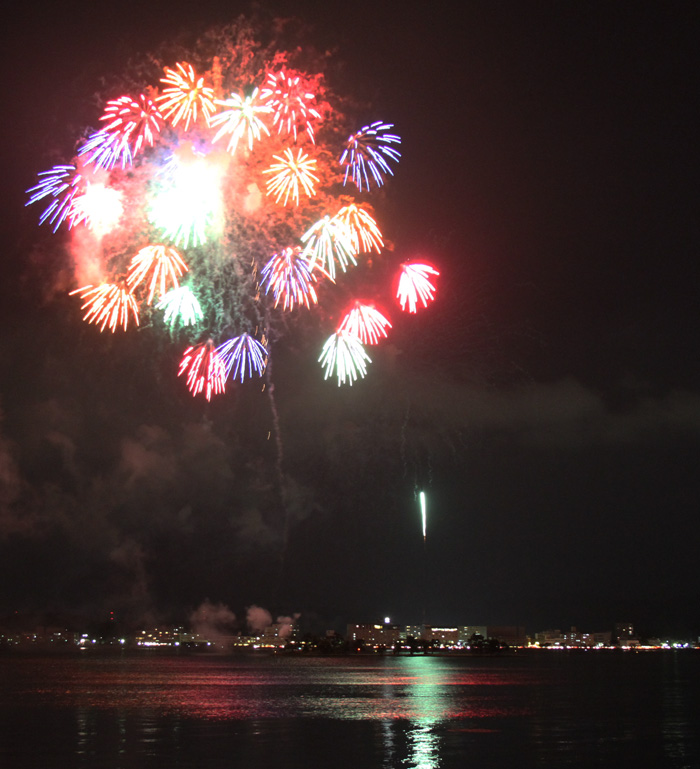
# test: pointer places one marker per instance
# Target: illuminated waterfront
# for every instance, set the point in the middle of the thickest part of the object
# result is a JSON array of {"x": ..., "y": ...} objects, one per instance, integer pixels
[{"x": 528, "y": 709}]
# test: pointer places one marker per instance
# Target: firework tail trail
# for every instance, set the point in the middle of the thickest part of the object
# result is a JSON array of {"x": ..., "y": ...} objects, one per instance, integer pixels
[{"x": 270, "y": 390}]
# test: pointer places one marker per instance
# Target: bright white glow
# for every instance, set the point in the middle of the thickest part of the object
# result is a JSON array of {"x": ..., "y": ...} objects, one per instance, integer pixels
[{"x": 423, "y": 514}]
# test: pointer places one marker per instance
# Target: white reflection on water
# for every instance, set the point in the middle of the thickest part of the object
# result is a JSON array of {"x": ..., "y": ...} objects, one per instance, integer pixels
[{"x": 428, "y": 704}]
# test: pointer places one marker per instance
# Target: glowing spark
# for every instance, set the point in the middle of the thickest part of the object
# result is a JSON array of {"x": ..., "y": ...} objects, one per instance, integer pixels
[
  {"x": 180, "y": 304},
  {"x": 289, "y": 276},
  {"x": 366, "y": 323},
  {"x": 205, "y": 370},
  {"x": 423, "y": 513},
  {"x": 290, "y": 101},
  {"x": 289, "y": 173},
  {"x": 100, "y": 207},
  {"x": 327, "y": 241},
  {"x": 242, "y": 356},
  {"x": 365, "y": 235},
  {"x": 369, "y": 149},
  {"x": 241, "y": 119},
  {"x": 108, "y": 305},
  {"x": 414, "y": 284},
  {"x": 189, "y": 200},
  {"x": 163, "y": 262},
  {"x": 345, "y": 354},
  {"x": 60, "y": 184},
  {"x": 187, "y": 96}
]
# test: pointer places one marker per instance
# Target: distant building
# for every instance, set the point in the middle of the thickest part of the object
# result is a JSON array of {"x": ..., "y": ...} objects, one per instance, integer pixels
[
  {"x": 513, "y": 635},
  {"x": 466, "y": 632},
  {"x": 374, "y": 634}
]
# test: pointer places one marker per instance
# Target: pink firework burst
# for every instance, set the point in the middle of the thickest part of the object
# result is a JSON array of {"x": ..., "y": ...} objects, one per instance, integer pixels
[
  {"x": 205, "y": 370},
  {"x": 137, "y": 120},
  {"x": 288, "y": 96}
]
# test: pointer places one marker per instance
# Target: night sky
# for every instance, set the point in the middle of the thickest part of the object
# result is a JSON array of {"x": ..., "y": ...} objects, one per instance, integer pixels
[{"x": 548, "y": 401}]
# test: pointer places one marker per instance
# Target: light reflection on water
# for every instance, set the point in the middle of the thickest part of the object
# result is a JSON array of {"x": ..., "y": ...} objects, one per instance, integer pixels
[{"x": 422, "y": 712}]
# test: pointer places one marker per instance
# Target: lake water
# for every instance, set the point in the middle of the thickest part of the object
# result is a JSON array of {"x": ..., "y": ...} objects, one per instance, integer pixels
[{"x": 533, "y": 709}]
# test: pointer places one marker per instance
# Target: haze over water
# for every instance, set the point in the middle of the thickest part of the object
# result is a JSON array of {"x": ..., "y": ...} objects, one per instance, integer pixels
[{"x": 545, "y": 709}]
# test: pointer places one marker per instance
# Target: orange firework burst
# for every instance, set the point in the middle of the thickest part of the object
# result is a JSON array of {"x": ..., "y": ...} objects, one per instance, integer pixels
[
  {"x": 205, "y": 370},
  {"x": 289, "y": 174},
  {"x": 163, "y": 262},
  {"x": 108, "y": 305},
  {"x": 187, "y": 96},
  {"x": 362, "y": 229}
]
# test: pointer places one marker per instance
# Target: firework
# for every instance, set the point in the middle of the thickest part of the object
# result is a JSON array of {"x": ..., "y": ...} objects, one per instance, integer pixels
[
  {"x": 242, "y": 356},
  {"x": 100, "y": 208},
  {"x": 205, "y": 370},
  {"x": 105, "y": 149},
  {"x": 414, "y": 284},
  {"x": 423, "y": 514},
  {"x": 345, "y": 354},
  {"x": 187, "y": 97},
  {"x": 163, "y": 262},
  {"x": 369, "y": 150},
  {"x": 290, "y": 278},
  {"x": 366, "y": 323},
  {"x": 241, "y": 119},
  {"x": 289, "y": 173},
  {"x": 365, "y": 235},
  {"x": 327, "y": 241},
  {"x": 180, "y": 304},
  {"x": 108, "y": 305},
  {"x": 290, "y": 102},
  {"x": 138, "y": 121},
  {"x": 61, "y": 184},
  {"x": 188, "y": 202}
]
